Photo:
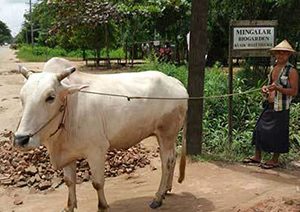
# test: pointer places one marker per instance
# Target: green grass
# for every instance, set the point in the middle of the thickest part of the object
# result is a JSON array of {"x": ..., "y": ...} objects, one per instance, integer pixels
[{"x": 42, "y": 53}]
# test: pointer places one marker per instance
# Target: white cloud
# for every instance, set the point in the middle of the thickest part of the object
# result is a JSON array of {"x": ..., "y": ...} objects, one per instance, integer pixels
[{"x": 12, "y": 13}]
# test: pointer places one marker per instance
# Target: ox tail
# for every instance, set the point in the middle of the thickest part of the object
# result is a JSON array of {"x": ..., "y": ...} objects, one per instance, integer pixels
[{"x": 183, "y": 154}]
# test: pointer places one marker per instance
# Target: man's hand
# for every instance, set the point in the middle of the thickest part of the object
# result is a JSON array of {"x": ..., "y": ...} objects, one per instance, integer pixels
[
  {"x": 274, "y": 87},
  {"x": 265, "y": 89}
]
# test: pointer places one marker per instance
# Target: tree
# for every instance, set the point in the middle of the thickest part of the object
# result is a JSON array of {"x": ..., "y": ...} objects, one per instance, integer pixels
[
  {"x": 166, "y": 20},
  {"x": 144, "y": 20},
  {"x": 5, "y": 36},
  {"x": 196, "y": 75},
  {"x": 85, "y": 22}
]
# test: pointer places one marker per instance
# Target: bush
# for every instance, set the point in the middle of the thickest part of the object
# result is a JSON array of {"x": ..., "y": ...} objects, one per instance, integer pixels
[
  {"x": 179, "y": 72},
  {"x": 40, "y": 53},
  {"x": 115, "y": 53}
]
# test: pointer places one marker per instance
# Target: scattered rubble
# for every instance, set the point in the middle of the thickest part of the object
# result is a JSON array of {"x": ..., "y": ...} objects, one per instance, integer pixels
[
  {"x": 33, "y": 168},
  {"x": 272, "y": 204}
]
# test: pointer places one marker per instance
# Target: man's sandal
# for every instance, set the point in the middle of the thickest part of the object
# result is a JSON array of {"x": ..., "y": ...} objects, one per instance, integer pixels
[
  {"x": 269, "y": 166},
  {"x": 250, "y": 160}
]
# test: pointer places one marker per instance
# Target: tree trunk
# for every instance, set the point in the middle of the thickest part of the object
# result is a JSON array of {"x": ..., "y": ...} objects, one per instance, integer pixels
[
  {"x": 126, "y": 52},
  {"x": 107, "y": 45},
  {"x": 177, "y": 53},
  {"x": 198, "y": 45},
  {"x": 98, "y": 55}
]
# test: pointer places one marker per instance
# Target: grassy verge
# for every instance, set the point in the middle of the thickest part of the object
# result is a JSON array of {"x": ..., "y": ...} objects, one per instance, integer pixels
[{"x": 41, "y": 53}]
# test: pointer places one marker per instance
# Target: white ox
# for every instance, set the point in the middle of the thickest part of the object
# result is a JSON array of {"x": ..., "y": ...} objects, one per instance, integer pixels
[{"x": 73, "y": 124}]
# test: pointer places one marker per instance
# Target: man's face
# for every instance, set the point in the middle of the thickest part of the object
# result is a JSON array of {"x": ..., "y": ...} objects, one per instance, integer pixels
[{"x": 282, "y": 56}]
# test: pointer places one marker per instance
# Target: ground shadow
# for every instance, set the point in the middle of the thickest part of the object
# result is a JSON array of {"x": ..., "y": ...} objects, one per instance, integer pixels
[
  {"x": 186, "y": 202},
  {"x": 281, "y": 175}
]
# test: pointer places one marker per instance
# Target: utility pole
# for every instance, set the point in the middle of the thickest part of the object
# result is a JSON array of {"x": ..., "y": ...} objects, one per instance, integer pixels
[
  {"x": 198, "y": 47},
  {"x": 31, "y": 22}
]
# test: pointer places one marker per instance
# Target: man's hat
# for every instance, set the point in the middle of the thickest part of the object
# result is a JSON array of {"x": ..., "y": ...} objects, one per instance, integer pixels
[{"x": 283, "y": 46}]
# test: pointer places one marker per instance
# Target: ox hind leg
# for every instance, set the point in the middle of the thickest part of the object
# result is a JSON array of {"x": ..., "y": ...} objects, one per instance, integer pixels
[
  {"x": 167, "y": 142},
  {"x": 70, "y": 181},
  {"x": 96, "y": 162}
]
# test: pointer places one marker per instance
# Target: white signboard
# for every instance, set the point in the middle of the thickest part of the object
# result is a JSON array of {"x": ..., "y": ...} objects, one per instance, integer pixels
[
  {"x": 156, "y": 43},
  {"x": 253, "y": 38}
]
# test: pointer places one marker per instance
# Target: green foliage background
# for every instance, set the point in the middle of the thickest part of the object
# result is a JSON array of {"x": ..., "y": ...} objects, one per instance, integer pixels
[
  {"x": 140, "y": 21},
  {"x": 5, "y": 36},
  {"x": 44, "y": 53}
]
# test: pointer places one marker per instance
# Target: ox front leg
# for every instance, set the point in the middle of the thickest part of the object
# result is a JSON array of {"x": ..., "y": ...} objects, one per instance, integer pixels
[
  {"x": 97, "y": 163},
  {"x": 70, "y": 181}
]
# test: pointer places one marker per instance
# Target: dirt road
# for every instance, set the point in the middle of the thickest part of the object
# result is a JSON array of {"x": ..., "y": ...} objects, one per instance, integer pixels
[
  {"x": 10, "y": 85},
  {"x": 209, "y": 186}
]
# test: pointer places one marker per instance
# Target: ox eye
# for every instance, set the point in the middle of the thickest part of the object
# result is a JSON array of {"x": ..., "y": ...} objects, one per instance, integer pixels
[{"x": 50, "y": 99}]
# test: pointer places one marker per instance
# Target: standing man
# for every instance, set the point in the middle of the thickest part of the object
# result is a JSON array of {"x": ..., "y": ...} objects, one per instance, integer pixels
[{"x": 271, "y": 133}]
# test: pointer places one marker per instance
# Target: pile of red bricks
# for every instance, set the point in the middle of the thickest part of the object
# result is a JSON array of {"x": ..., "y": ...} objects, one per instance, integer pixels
[{"x": 33, "y": 168}]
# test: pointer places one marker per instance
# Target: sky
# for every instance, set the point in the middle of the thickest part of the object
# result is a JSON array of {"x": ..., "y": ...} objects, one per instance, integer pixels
[{"x": 11, "y": 13}]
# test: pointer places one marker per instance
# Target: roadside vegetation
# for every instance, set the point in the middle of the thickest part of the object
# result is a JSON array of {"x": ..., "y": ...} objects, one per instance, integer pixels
[
  {"x": 5, "y": 34},
  {"x": 43, "y": 53}
]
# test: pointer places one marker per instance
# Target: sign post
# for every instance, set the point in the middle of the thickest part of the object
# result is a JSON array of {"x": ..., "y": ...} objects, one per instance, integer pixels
[{"x": 247, "y": 38}]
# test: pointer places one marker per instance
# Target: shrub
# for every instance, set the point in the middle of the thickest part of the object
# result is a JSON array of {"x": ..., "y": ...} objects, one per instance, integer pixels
[
  {"x": 115, "y": 53},
  {"x": 179, "y": 72}
]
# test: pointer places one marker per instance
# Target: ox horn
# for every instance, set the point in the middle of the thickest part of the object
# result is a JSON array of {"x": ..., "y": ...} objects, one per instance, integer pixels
[
  {"x": 65, "y": 73},
  {"x": 24, "y": 71}
]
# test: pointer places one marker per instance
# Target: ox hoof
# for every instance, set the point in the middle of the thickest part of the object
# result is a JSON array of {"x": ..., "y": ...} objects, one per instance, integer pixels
[
  {"x": 168, "y": 192},
  {"x": 155, "y": 204},
  {"x": 67, "y": 210}
]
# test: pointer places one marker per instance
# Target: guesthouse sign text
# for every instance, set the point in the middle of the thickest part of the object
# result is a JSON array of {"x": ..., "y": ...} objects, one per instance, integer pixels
[{"x": 253, "y": 37}]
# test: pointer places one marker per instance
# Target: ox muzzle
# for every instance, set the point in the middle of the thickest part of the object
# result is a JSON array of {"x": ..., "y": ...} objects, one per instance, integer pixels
[{"x": 20, "y": 140}]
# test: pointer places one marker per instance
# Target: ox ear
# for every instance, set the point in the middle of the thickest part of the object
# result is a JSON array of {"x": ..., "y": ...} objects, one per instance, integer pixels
[
  {"x": 24, "y": 71},
  {"x": 70, "y": 89},
  {"x": 65, "y": 73}
]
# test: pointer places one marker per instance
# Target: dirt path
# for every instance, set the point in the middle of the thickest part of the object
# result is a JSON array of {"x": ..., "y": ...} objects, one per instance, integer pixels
[
  {"x": 10, "y": 85},
  {"x": 207, "y": 187}
]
